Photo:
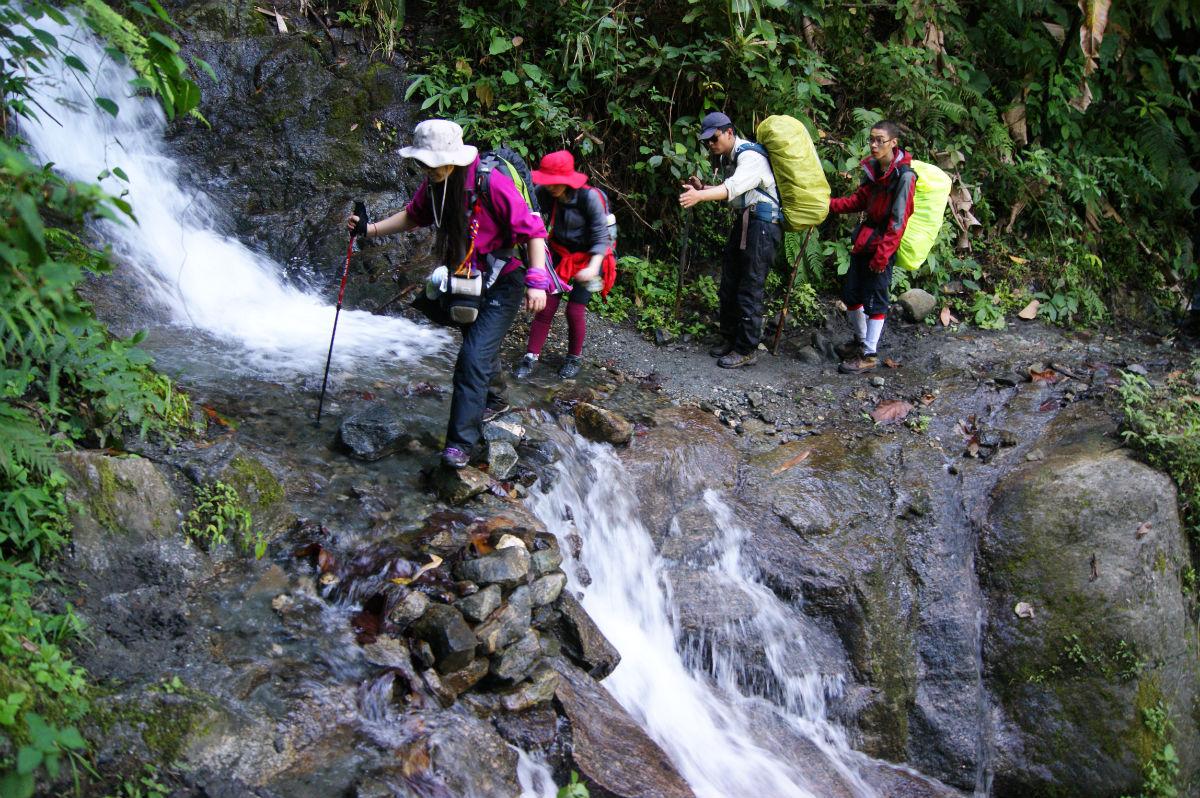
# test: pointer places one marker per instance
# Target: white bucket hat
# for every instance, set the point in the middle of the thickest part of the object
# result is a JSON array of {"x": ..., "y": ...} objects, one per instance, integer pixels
[{"x": 438, "y": 142}]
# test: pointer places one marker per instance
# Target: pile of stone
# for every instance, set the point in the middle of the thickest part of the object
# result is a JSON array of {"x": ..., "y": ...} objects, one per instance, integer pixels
[{"x": 506, "y": 615}]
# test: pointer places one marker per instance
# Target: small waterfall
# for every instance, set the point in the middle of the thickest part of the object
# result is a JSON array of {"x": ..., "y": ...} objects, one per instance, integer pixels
[
  {"x": 204, "y": 279},
  {"x": 702, "y": 720}
]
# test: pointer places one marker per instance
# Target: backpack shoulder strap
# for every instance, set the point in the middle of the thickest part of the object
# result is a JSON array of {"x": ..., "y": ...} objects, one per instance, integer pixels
[{"x": 754, "y": 146}]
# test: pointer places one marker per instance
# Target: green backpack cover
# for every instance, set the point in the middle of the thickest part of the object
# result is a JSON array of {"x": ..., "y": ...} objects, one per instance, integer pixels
[
  {"x": 803, "y": 189},
  {"x": 930, "y": 197}
]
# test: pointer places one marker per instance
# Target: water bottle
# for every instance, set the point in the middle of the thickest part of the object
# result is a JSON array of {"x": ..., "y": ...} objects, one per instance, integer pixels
[{"x": 611, "y": 221}]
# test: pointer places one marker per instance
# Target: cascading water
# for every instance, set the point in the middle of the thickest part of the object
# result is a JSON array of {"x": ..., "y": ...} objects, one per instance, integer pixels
[
  {"x": 206, "y": 281},
  {"x": 701, "y": 719}
]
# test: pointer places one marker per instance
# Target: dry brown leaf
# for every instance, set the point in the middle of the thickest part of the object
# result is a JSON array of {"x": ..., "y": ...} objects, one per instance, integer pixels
[
  {"x": 794, "y": 461},
  {"x": 1018, "y": 260},
  {"x": 326, "y": 562},
  {"x": 1091, "y": 31},
  {"x": 944, "y": 317},
  {"x": 1014, "y": 120},
  {"x": 480, "y": 541},
  {"x": 1049, "y": 376},
  {"x": 1023, "y": 609},
  {"x": 1143, "y": 530},
  {"x": 434, "y": 562},
  {"x": 927, "y": 399},
  {"x": 890, "y": 411},
  {"x": 29, "y": 645},
  {"x": 1030, "y": 311},
  {"x": 973, "y": 447},
  {"x": 892, "y": 364}
]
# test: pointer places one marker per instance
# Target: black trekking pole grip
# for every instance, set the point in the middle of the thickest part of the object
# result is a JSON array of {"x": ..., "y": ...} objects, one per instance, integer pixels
[{"x": 360, "y": 210}]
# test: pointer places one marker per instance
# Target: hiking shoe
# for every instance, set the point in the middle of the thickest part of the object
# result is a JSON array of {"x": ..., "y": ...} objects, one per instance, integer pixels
[
  {"x": 570, "y": 367},
  {"x": 525, "y": 367},
  {"x": 721, "y": 349},
  {"x": 453, "y": 457},
  {"x": 734, "y": 360},
  {"x": 858, "y": 365},
  {"x": 849, "y": 350},
  {"x": 493, "y": 410}
]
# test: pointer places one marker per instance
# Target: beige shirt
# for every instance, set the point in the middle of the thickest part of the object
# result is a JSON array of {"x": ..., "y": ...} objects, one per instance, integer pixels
[{"x": 752, "y": 181}]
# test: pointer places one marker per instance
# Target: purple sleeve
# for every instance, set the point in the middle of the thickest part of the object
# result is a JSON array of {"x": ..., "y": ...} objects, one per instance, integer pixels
[
  {"x": 507, "y": 202},
  {"x": 418, "y": 208}
]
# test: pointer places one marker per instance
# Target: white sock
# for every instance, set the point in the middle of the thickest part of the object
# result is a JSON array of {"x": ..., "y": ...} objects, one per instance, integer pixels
[
  {"x": 858, "y": 320},
  {"x": 874, "y": 330}
]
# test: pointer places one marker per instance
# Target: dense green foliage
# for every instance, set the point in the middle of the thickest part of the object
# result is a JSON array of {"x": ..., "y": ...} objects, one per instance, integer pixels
[
  {"x": 1073, "y": 141},
  {"x": 63, "y": 379}
]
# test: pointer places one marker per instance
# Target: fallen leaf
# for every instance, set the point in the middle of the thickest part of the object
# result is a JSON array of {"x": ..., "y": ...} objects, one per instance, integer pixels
[
  {"x": 1143, "y": 530},
  {"x": 927, "y": 399},
  {"x": 1049, "y": 376},
  {"x": 354, "y": 127},
  {"x": 517, "y": 41},
  {"x": 1048, "y": 405},
  {"x": 973, "y": 447},
  {"x": 326, "y": 562},
  {"x": 1030, "y": 311},
  {"x": 1023, "y": 609},
  {"x": 945, "y": 316},
  {"x": 800, "y": 458},
  {"x": 434, "y": 562},
  {"x": 1018, "y": 260},
  {"x": 887, "y": 361},
  {"x": 891, "y": 411},
  {"x": 480, "y": 541},
  {"x": 29, "y": 645}
]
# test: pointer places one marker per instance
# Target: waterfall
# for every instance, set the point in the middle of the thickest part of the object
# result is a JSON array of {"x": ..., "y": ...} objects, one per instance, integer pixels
[
  {"x": 205, "y": 280},
  {"x": 702, "y": 720}
]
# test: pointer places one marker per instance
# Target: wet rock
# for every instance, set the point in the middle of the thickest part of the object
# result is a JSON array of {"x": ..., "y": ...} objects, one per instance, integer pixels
[
  {"x": 547, "y": 589},
  {"x": 507, "y": 567},
  {"x": 916, "y": 304},
  {"x": 540, "y": 688},
  {"x": 582, "y": 640},
  {"x": 546, "y": 560},
  {"x": 810, "y": 356},
  {"x": 515, "y": 662},
  {"x": 502, "y": 459},
  {"x": 479, "y": 606},
  {"x": 536, "y": 727},
  {"x": 602, "y": 425},
  {"x": 457, "y": 485},
  {"x": 507, "y": 624},
  {"x": 608, "y": 746},
  {"x": 1072, "y": 682},
  {"x": 509, "y": 432},
  {"x": 408, "y": 609},
  {"x": 451, "y": 639},
  {"x": 373, "y": 433},
  {"x": 388, "y": 652},
  {"x": 663, "y": 337},
  {"x": 461, "y": 681}
]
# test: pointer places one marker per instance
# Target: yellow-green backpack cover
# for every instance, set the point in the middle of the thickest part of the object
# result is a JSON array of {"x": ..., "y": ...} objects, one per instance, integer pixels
[
  {"x": 803, "y": 189},
  {"x": 930, "y": 196}
]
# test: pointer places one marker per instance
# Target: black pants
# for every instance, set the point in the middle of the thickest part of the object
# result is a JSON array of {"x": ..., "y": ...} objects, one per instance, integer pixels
[
  {"x": 479, "y": 359},
  {"x": 865, "y": 287},
  {"x": 743, "y": 277}
]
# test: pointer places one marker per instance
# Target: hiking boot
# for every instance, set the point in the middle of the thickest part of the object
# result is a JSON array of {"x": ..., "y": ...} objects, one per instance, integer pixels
[
  {"x": 570, "y": 367},
  {"x": 493, "y": 410},
  {"x": 734, "y": 360},
  {"x": 859, "y": 365},
  {"x": 525, "y": 367},
  {"x": 721, "y": 349},
  {"x": 453, "y": 457},
  {"x": 849, "y": 350}
]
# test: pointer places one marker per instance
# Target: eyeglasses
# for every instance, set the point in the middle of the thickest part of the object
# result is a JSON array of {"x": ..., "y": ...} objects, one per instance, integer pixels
[{"x": 879, "y": 141}]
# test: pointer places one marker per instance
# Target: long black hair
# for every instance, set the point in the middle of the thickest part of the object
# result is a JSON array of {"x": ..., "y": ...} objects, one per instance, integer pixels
[{"x": 450, "y": 245}]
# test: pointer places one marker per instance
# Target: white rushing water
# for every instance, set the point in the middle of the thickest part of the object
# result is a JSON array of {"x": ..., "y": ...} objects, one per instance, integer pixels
[
  {"x": 703, "y": 720},
  {"x": 204, "y": 279}
]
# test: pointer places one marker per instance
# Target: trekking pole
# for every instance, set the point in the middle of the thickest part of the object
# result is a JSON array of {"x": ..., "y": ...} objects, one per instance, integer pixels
[
  {"x": 787, "y": 296},
  {"x": 360, "y": 210}
]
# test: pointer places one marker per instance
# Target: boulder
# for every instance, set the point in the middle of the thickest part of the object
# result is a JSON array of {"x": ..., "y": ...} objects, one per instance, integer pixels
[
  {"x": 507, "y": 624},
  {"x": 502, "y": 459},
  {"x": 373, "y": 433},
  {"x": 582, "y": 640},
  {"x": 602, "y": 425},
  {"x": 608, "y": 747},
  {"x": 516, "y": 661},
  {"x": 479, "y": 606},
  {"x": 536, "y": 691},
  {"x": 917, "y": 304},
  {"x": 507, "y": 567},
  {"x": 1107, "y": 624},
  {"x": 548, "y": 588},
  {"x": 458, "y": 485},
  {"x": 408, "y": 609}
]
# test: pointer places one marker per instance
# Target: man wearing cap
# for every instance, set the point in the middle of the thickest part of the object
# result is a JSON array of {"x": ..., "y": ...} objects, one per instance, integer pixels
[{"x": 754, "y": 237}]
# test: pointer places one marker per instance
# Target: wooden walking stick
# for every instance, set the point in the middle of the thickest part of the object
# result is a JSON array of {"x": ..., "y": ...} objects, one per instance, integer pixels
[{"x": 787, "y": 296}]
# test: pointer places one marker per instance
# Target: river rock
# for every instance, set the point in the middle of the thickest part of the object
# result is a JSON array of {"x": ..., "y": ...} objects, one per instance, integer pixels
[
  {"x": 607, "y": 745},
  {"x": 460, "y": 681},
  {"x": 408, "y": 609},
  {"x": 516, "y": 661},
  {"x": 602, "y": 425},
  {"x": 547, "y": 559},
  {"x": 502, "y": 459},
  {"x": 582, "y": 640},
  {"x": 547, "y": 589},
  {"x": 507, "y": 624},
  {"x": 537, "y": 690},
  {"x": 479, "y": 606},
  {"x": 916, "y": 304},
  {"x": 509, "y": 432},
  {"x": 457, "y": 485},
  {"x": 372, "y": 433},
  {"x": 507, "y": 567},
  {"x": 1111, "y": 622},
  {"x": 451, "y": 639}
]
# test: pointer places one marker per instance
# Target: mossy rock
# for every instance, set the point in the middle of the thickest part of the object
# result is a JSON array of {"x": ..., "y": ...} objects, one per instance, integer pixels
[
  {"x": 261, "y": 493},
  {"x": 1109, "y": 628}
]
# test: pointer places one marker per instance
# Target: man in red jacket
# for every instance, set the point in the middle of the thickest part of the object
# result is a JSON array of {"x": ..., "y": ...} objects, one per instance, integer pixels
[{"x": 885, "y": 196}]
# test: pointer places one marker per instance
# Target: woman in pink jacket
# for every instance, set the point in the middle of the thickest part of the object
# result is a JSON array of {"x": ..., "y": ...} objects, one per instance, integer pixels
[{"x": 477, "y": 235}]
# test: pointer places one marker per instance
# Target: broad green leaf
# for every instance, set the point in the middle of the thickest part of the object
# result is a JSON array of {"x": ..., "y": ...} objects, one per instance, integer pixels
[
  {"x": 107, "y": 104},
  {"x": 533, "y": 72},
  {"x": 500, "y": 44}
]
